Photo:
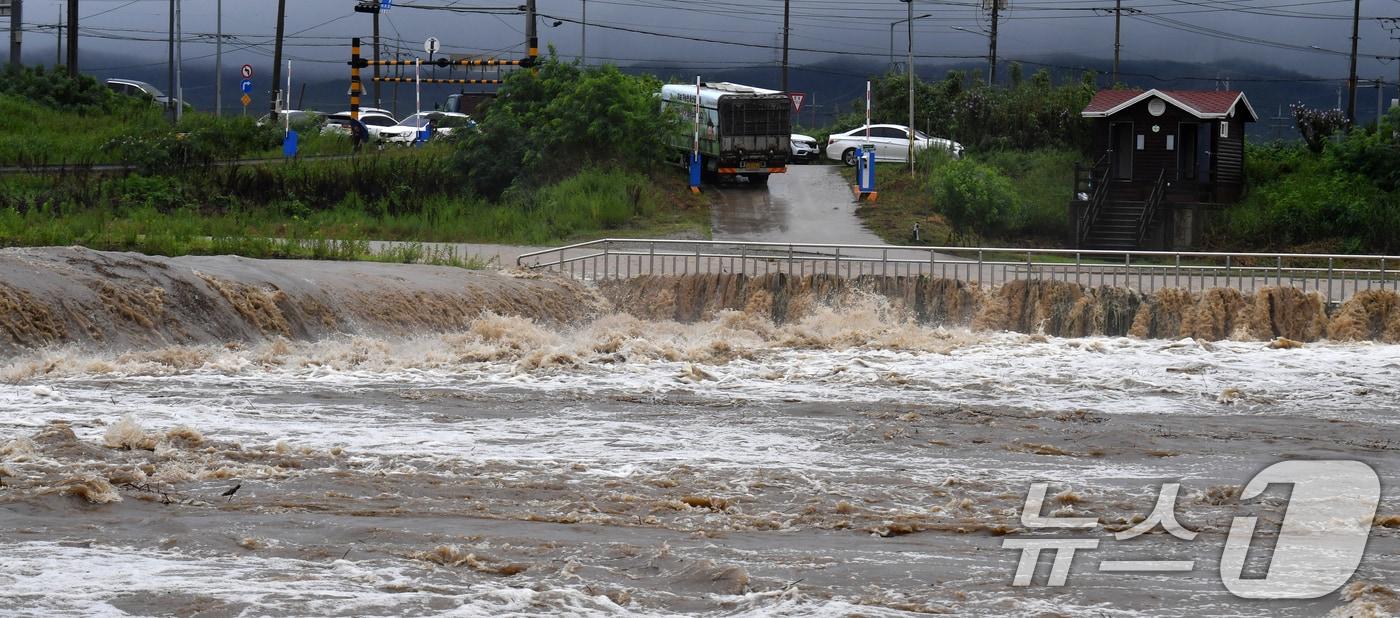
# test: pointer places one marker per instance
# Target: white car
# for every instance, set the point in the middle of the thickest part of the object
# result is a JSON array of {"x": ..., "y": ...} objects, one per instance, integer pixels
[
  {"x": 804, "y": 148},
  {"x": 375, "y": 122},
  {"x": 891, "y": 143},
  {"x": 443, "y": 123}
]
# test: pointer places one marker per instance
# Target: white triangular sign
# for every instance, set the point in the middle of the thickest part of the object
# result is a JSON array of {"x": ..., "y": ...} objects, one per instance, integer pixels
[{"x": 797, "y": 100}]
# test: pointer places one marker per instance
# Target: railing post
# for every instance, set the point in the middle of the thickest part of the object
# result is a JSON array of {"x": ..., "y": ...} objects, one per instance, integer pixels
[
  {"x": 1382, "y": 273},
  {"x": 1329, "y": 280},
  {"x": 744, "y": 259},
  {"x": 1178, "y": 272},
  {"x": 606, "y": 250},
  {"x": 1227, "y": 271},
  {"x": 1078, "y": 268},
  {"x": 838, "y": 262},
  {"x": 1029, "y": 269},
  {"x": 790, "y": 260},
  {"x": 884, "y": 262},
  {"x": 932, "y": 261},
  {"x": 979, "y": 266},
  {"x": 1278, "y": 272},
  {"x": 651, "y": 259},
  {"x": 697, "y": 261}
]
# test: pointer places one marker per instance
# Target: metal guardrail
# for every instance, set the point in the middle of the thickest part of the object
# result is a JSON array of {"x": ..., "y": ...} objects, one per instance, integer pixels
[{"x": 1335, "y": 277}]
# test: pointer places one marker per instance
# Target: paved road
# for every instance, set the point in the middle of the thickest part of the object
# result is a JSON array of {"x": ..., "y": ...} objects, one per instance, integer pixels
[{"x": 810, "y": 203}]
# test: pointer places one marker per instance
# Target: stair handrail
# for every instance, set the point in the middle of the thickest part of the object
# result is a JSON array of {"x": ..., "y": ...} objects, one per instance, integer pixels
[
  {"x": 1091, "y": 212},
  {"x": 1149, "y": 210}
]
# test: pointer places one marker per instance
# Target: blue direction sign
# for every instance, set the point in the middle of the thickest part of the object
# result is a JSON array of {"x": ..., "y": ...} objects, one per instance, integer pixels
[
  {"x": 247, "y": 86},
  {"x": 386, "y": 4}
]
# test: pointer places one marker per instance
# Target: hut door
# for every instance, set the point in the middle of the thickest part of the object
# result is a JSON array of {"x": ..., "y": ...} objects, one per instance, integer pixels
[
  {"x": 1187, "y": 152},
  {"x": 1122, "y": 138}
]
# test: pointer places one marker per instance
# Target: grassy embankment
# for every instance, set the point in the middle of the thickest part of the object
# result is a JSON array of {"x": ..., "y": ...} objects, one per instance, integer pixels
[
  {"x": 183, "y": 200},
  {"x": 1041, "y": 181}
]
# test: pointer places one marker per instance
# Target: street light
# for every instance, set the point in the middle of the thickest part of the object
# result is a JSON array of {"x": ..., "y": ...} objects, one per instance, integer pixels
[
  {"x": 892, "y": 25},
  {"x": 983, "y": 35}
]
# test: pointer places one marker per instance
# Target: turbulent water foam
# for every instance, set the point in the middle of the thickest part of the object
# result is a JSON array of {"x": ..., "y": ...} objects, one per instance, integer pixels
[
  {"x": 121, "y": 301},
  {"x": 1049, "y": 307},
  {"x": 125, "y": 301}
]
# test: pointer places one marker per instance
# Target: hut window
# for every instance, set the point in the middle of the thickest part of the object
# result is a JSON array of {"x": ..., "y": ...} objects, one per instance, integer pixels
[
  {"x": 1171, "y": 142},
  {"x": 1141, "y": 142},
  {"x": 1224, "y": 128}
]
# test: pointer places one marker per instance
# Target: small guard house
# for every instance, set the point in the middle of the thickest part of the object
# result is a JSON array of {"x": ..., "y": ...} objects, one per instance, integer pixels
[{"x": 1163, "y": 159}]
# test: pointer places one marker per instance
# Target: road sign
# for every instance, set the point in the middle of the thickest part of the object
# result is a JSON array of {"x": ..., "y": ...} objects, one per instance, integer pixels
[
  {"x": 246, "y": 100},
  {"x": 797, "y": 98},
  {"x": 386, "y": 4},
  {"x": 247, "y": 86},
  {"x": 432, "y": 45},
  {"x": 247, "y": 71}
]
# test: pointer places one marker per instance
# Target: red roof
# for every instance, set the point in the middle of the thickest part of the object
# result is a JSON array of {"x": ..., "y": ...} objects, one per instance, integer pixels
[{"x": 1200, "y": 103}]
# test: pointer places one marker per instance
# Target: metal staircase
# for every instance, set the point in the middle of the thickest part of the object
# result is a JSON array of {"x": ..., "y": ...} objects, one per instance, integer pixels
[{"x": 1110, "y": 224}]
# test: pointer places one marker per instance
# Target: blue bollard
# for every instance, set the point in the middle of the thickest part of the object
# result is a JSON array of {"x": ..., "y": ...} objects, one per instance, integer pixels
[{"x": 289, "y": 145}]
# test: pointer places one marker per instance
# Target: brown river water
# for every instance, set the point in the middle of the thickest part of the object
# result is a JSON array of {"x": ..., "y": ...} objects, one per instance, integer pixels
[{"x": 410, "y": 440}]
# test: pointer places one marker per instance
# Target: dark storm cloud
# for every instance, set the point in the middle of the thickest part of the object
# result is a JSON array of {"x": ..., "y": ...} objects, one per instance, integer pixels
[{"x": 1030, "y": 28}]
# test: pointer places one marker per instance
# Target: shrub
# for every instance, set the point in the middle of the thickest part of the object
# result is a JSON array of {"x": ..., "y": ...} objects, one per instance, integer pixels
[
  {"x": 1318, "y": 125},
  {"x": 548, "y": 125},
  {"x": 58, "y": 90},
  {"x": 975, "y": 198}
]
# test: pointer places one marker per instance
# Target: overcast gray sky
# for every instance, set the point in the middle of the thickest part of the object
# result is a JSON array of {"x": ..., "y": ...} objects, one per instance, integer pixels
[{"x": 1280, "y": 32}]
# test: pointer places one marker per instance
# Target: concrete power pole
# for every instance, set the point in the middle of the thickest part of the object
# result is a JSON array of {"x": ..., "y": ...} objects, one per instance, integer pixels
[
  {"x": 179, "y": 94},
  {"x": 73, "y": 38},
  {"x": 170, "y": 61},
  {"x": 787, "y": 14},
  {"x": 377, "y": 58},
  {"x": 910, "y": 132},
  {"x": 584, "y": 33},
  {"x": 16, "y": 32},
  {"x": 277, "y": 56},
  {"x": 219, "y": 59},
  {"x": 1351, "y": 78},
  {"x": 1117, "y": 38},
  {"x": 992, "y": 54}
]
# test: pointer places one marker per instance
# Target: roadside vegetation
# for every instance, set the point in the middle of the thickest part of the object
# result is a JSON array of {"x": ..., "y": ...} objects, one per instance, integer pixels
[
  {"x": 564, "y": 154},
  {"x": 1329, "y": 193},
  {"x": 1014, "y": 182}
]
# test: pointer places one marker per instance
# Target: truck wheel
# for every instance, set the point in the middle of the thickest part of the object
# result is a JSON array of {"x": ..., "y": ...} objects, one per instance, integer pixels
[{"x": 849, "y": 157}]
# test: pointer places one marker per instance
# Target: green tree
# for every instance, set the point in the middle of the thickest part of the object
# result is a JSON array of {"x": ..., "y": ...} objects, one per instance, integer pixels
[{"x": 546, "y": 125}]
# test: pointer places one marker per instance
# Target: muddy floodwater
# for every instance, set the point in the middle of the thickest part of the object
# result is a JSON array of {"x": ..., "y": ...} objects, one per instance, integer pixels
[{"x": 537, "y": 447}]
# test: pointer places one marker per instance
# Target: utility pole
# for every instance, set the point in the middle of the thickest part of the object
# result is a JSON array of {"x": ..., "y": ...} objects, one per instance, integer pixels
[
  {"x": 170, "y": 62},
  {"x": 910, "y": 133},
  {"x": 179, "y": 93},
  {"x": 996, "y": 11},
  {"x": 219, "y": 59},
  {"x": 532, "y": 35},
  {"x": 1351, "y": 78},
  {"x": 787, "y": 14},
  {"x": 72, "y": 37},
  {"x": 584, "y": 53},
  {"x": 277, "y": 56},
  {"x": 16, "y": 32},
  {"x": 58, "y": 44},
  {"x": 1118, "y": 38},
  {"x": 377, "y": 58}
]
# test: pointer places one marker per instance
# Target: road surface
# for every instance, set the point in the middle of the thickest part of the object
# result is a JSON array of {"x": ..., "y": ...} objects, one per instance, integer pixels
[{"x": 810, "y": 204}]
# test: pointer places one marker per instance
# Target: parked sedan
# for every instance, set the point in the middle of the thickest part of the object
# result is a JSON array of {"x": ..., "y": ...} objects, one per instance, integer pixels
[
  {"x": 891, "y": 143},
  {"x": 374, "y": 122},
  {"x": 442, "y": 123},
  {"x": 804, "y": 148}
]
